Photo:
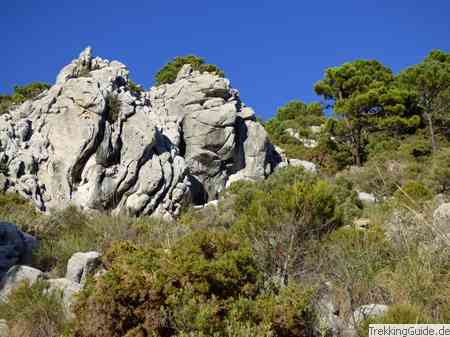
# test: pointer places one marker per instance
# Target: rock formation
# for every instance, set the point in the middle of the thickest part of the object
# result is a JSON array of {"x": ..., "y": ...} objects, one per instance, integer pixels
[{"x": 94, "y": 141}]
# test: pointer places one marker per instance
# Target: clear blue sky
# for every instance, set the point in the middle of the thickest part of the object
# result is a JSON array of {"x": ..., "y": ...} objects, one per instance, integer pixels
[{"x": 272, "y": 51}]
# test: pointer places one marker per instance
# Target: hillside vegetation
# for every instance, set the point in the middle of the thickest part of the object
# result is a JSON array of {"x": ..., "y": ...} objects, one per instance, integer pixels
[{"x": 273, "y": 253}]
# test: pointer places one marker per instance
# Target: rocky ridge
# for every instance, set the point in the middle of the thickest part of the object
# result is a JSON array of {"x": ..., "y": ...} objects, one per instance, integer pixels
[{"x": 95, "y": 141}]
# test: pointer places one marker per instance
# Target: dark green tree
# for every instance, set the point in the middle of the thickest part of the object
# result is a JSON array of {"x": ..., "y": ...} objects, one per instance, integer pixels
[
  {"x": 364, "y": 100},
  {"x": 430, "y": 80},
  {"x": 169, "y": 72}
]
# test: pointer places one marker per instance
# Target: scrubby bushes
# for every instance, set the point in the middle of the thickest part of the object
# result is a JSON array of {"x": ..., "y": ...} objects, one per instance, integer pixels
[
  {"x": 21, "y": 94},
  {"x": 169, "y": 72},
  {"x": 207, "y": 284},
  {"x": 34, "y": 311}
]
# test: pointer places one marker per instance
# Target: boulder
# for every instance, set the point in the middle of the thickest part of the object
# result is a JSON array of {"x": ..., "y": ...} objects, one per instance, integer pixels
[
  {"x": 16, "y": 276},
  {"x": 307, "y": 165},
  {"x": 4, "y": 329},
  {"x": 367, "y": 197},
  {"x": 15, "y": 247},
  {"x": 441, "y": 219},
  {"x": 370, "y": 310},
  {"x": 81, "y": 265},
  {"x": 68, "y": 289}
]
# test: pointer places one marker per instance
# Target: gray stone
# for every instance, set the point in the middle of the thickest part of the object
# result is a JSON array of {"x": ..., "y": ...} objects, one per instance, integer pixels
[
  {"x": 441, "y": 219},
  {"x": 367, "y": 197},
  {"x": 4, "y": 329},
  {"x": 82, "y": 265},
  {"x": 369, "y": 310},
  {"x": 91, "y": 142},
  {"x": 16, "y": 276},
  {"x": 307, "y": 165},
  {"x": 68, "y": 289}
]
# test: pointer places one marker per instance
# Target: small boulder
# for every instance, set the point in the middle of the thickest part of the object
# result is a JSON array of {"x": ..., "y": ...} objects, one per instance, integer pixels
[
  {"x": 4, "y": 329},
  {"x": 307, "y": 165},
  {"x": 369, "y": 310},
  {"x": 68, "y": 291},
  {"x": 367, "y": 197},
  {"x": 15, "y": 276},
  {"x": 441, "y": 218},
  {"x": 81, "y": 265}
]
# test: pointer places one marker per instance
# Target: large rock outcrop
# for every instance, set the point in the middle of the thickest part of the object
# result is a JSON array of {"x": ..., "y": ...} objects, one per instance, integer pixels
[{"x": 94, "y": 141}]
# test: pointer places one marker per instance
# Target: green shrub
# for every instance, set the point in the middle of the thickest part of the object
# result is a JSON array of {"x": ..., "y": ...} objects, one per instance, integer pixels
[
  {"x": 169, "y": 72},
  {"x": 439, "y": 175},
  {"x": 20, "y": 211},
  {"x": 135, "y": 89},
  {"x": 413, "y": 194},
  {"x": 112, "y": 108},
  {"x": 203, "y": 285},
  {"x": 34, "y": 311},
  {"x": 351, "y": 259}
]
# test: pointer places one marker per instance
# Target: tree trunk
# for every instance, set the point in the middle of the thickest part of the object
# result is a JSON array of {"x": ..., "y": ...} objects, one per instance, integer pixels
[{"x": 434, "y": 144}]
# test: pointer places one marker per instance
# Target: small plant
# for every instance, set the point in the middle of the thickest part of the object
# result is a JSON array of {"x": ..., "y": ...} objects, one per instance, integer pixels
[
  {"x": 112, "y": 108},
  {"x": 135, "y": 89},
  {"x": 34, "y": 311}
]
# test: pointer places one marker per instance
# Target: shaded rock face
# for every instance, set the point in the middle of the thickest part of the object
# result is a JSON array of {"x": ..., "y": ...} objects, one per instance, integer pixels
[{"x": 93, "y": 142}]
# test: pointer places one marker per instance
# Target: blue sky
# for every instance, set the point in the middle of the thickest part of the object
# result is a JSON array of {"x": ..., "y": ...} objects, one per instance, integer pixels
[{"x": 272, "y": 51}]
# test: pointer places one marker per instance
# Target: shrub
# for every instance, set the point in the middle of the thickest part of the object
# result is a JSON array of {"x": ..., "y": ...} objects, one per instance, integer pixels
[
  {"x": 112, "y": 108},
  {"x": 413, "y": 194},
  {"x": 439, "y": 175},
  {"x": 20, "y": 211},
  {"x": 135, "y": 89},
  {"x": 34, "y": 311},
  {"x": 204, "y": 285},
  {"x": 351, "y": 259},
  {"x": 169, "y": 72}
]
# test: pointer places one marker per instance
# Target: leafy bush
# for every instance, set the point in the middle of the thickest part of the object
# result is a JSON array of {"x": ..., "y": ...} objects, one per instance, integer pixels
[
  {"x": 34, "y": 311},
  {"x": 203, "y": 285},
  {"x": 169, "y": 72}
]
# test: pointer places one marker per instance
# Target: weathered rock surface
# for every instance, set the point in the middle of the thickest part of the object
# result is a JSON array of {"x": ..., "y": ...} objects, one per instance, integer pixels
[
  {"x": 15, "y": 276},
  {"x": 68, "y": 289},
  {"x": 369, "y": 310},
  {"x": 367, "y": 197},
  {"x": 92, "y": 141},
  {"x": 441, "y": 219},
  {"x": 4, "y": 329},
  {"x": 15, "y": 247},
  {"x": 81, "y": 265}
]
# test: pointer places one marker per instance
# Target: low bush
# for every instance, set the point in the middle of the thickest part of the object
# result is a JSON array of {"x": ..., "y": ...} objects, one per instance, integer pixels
[
  {"x": 34, "y": 311},
  {"x": 207, "y": 284}
]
